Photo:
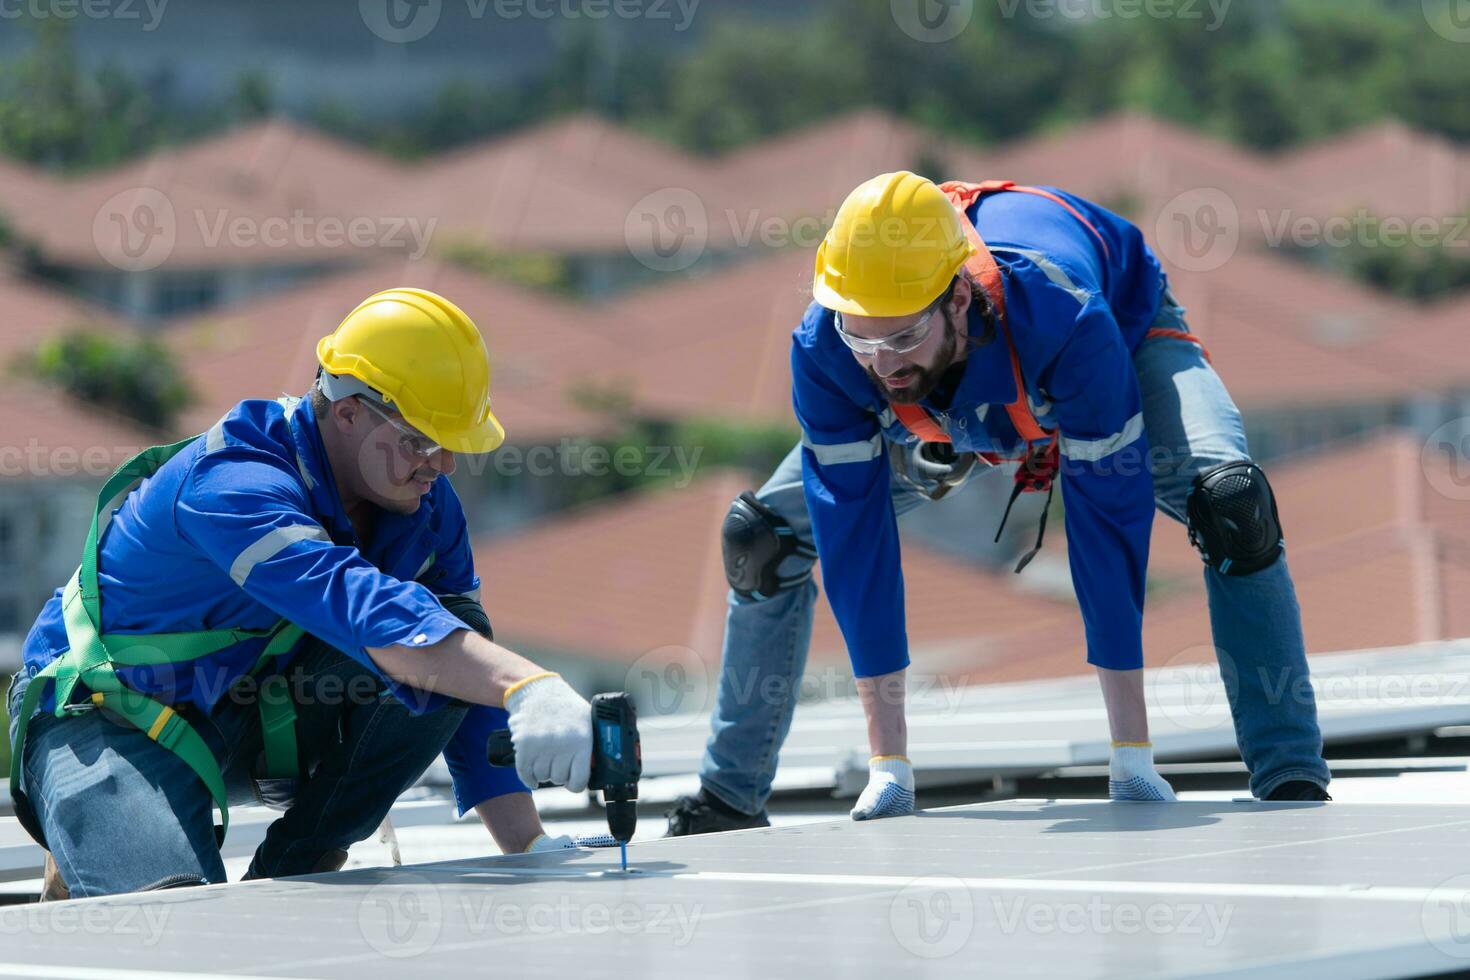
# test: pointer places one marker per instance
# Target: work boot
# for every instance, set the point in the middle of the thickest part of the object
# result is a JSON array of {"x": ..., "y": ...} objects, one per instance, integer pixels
[
  {"x": 330, "y": 861},
  {"x": 53, "y": 888},
  {"x": 1298, "y": 790},
  {"x": 705, "y": 813}
]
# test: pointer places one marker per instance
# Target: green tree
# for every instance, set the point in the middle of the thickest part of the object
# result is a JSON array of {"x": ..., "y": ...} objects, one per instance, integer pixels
[{"x": 133, "y": 377}]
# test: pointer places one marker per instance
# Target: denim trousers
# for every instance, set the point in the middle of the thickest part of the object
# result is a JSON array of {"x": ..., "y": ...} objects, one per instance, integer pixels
[
  {"x": 121, "y": 813},
  {"x": 1192, "y": 424}
]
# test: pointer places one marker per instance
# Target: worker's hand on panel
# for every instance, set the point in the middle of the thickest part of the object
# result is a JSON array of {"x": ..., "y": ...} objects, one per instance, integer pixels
[
  {"x": 890, "y": 790},
  {"x": 551, "y": 728},
  {"x": 1132, "y": 777}
]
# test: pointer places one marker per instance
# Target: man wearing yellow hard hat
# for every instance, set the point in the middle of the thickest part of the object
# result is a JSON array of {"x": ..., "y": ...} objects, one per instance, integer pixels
[
  {"x": 958, "y": 327},
  {"x": 286, "y": 610}
]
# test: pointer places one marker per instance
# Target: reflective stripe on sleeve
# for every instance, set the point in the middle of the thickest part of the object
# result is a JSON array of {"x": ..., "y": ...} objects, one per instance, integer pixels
[
  {"x": 1092, "y": 450},
  {"x": 845, "y": 452},
  {"x": 271, "y": 544}
]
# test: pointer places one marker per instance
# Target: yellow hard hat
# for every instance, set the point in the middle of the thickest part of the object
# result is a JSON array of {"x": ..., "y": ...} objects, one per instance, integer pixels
[
  {"x": 424, "y": 356},
  {"x": 895, "y": 245}
]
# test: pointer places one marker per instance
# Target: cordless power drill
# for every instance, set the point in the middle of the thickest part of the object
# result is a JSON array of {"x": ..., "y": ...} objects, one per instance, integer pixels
[{"x": 617, "y": 762}]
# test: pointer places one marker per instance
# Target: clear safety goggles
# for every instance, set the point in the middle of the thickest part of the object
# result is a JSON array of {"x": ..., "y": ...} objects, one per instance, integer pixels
[
  {"x": 899, "y": 342},
  {"x": 410, "y": 440}
]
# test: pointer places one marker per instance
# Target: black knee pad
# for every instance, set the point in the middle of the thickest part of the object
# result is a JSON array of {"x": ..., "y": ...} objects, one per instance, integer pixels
[
  {"x": 755, "y": 541},
  {"x": 1232, "y": 518}
]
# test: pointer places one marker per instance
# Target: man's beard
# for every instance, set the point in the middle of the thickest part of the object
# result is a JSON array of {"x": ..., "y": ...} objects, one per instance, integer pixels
[{"x": 925, "y": 379}]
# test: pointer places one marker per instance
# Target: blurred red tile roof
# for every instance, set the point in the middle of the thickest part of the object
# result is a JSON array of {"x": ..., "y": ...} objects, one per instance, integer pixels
[
  {"x": 23, "y": 190},
  {"x": 32, "y": 313},
  {"x": 538, "y": 345},
  {"x": 717, "y": 346},
  {"x": 307, "y": 184},
  {"x": 628, "y": 575},
  {"x": 810, "y": 171},
  {"x": 47, "y": 435},
  {"x": 1135, "y": 162},
  {"x": 567, "y": 185},
  {"x": 1388, "y": 167}
]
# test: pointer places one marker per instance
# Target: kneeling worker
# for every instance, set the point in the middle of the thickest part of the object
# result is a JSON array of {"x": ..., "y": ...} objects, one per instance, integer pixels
[{"x": 286, "y": 609}]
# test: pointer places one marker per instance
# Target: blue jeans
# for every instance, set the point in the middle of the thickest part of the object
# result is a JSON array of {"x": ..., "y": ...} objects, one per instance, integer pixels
[
  {"x": 1192, "y": 424},
  {"x": 121, "y": 813}
]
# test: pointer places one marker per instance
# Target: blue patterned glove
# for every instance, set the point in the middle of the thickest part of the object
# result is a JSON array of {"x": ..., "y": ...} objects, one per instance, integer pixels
[
  {"x": 1131, "y": 775},
  {"x": 890, "y": 790}
]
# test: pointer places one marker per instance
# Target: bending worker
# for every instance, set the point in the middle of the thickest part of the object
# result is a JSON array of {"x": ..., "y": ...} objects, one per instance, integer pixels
[
  {"x": 286, "y": 609},
  {"x": 958, "y": 326}
]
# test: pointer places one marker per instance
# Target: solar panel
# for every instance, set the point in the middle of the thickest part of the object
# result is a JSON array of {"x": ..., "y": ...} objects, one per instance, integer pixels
[{"x": 1014, "y": 888}]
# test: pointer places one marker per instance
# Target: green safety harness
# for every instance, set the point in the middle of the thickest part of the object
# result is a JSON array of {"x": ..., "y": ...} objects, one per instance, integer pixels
[{"x": 93, "y": 659}]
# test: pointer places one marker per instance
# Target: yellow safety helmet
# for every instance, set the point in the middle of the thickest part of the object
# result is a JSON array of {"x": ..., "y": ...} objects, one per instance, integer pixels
[
  {"x": 418, "y": 352},
  {"x": 895, "y": 245}
]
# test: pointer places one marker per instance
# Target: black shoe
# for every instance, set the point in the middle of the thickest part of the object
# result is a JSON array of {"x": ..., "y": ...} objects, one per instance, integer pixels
[
  {"x": 705, "y": 813},
  {"x": 1298, "y": 789}
]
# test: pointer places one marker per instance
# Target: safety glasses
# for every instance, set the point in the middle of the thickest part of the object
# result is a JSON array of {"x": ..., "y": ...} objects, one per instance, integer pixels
[
  {"x": 410, "y": 440},
  {"x": 901, "y": 342}
]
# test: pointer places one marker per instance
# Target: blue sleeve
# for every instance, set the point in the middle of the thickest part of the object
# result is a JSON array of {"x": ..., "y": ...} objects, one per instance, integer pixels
[
  {"x": 1105, "y": 479},
  {"x": 845, "y": 478},
  {"x": 249, "y": 515},
  {"x": 475, "y": 780}
]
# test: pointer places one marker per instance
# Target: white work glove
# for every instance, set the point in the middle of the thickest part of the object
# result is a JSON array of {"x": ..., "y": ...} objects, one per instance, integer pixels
[
  {"x": 1131, "y": 775},
  {"x": 551, "y": 729},
  {"x": 890, "y": 790},
  {"x": 566, "y": 842},
  {"x": 546, "y": 843}
]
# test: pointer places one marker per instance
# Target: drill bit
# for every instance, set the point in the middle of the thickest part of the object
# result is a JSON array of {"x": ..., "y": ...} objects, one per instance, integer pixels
[{"x": 623, "y": 846}]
